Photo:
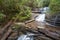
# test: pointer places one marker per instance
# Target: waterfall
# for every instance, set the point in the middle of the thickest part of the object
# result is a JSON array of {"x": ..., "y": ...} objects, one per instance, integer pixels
[
  {"x": 28, "y": 36},
  {"x": 40, "y": 18}
]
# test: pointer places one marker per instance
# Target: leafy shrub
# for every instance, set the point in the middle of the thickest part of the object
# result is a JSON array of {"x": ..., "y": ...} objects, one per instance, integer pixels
[
  {"x": 55, "y": 6},
  {"x": 36, "y": 3},
  {"x": 25, "y": 14},
  {"x": 11, "y": 8},
  {"x": 44, "y": 3},
  {"x": 1, "y": 17},
  {"x": 33, "y": 3}
]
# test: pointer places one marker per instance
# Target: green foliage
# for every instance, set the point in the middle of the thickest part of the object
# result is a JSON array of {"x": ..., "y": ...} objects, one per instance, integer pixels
[
  {"x": 36, "y": 3},
  {"x": 44, "y": 3},
  {"x": 25, "y": 14},
  {"x": 33, "y": 3},
  {"x": 1, "y": 16},
  {"x": 55, "y": 6},
  {"x": 11, "y": 8}
]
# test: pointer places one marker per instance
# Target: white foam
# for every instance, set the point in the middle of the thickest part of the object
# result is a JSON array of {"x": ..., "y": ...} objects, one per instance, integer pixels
[{"x": 40, "y": 18}]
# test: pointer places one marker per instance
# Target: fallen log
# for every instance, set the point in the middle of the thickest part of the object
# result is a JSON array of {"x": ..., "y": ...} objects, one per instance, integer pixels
[
  {"x": 49, "y": 34},
  {"x": 42, "y": 38},
  {"x": 6, "y": 34},
  {"x": 36, "y": 12},
  {"x": 40, "y": 34},
  {"x": 29, "y": 21},
  {"x": 6, "y": 26}
]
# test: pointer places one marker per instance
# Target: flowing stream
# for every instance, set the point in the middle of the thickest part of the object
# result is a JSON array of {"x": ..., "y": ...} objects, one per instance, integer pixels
[
  {"x": 39, "y": 18},
  {"x": 28, "y": 36}
]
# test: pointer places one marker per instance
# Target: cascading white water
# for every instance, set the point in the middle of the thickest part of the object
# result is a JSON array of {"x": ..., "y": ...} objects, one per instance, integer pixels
[
  {"x": 28, "y": 36},
  {"x": 40, "y": 18},
  {"x": 22, "y": 37},
  {"x": 40, "y": 21}
]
